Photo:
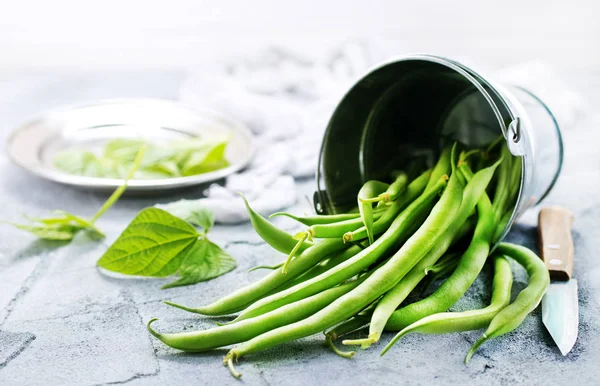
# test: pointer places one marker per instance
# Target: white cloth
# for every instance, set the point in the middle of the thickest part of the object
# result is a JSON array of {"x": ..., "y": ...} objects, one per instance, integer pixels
[{"x": 286, "y": 99}]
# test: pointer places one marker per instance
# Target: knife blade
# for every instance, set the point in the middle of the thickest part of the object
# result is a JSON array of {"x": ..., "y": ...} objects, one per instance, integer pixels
[{"x": 560, "y": 305}]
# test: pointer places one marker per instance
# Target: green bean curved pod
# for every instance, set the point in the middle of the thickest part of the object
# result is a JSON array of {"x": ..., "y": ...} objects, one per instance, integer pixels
[
  {"x": 397, "y": 233},
  {"x": 275, "y": 237},
  {"x": 443, "y": 166},
  {"x": 243, "y": 297},
  {"x": 446, "y": 322},
  {"x": 329, "y": 343},
  {"x": 395, "y": 296},
  {"x": 499, "y": 201},
  {"x": 338, "y": 229},
  {"x": 528, "y": 299},
  {"x": 379, "y": 281},
  {"x": 271, "y": 267},
  {"x": 348, "y": 326},
  {"x": 322, "y": 267},
  {"x": 414, "y": 190},
  {"x": 371, "y": 189},
  {"x": 239, "y": 332},
  {"x": 446, "y": 262},
  {"x": 333, "y": 230},
  {"x": 320, "y": 219},
  {"x": 396, "y": 188},
  {"x": 469, "y": 267}
]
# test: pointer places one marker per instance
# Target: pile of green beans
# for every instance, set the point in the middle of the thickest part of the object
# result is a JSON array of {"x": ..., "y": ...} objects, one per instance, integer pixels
[{"x": 372, "y": 267}]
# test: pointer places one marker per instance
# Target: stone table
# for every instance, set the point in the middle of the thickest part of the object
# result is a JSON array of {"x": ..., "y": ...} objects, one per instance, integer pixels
[{"x": 63, "y": 322}]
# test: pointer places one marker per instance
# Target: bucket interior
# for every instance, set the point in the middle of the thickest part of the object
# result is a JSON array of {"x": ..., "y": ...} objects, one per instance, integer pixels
[{"x": 400, "y": 112}]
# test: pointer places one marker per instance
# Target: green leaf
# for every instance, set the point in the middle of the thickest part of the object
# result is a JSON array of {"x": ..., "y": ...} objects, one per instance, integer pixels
[
  {"x": 202, "y": 217},
  {"x": 206, "y": 158},
  {"x": 64, "y": 226},
  {"x": 203, "y": 261},
  {"x": 162, "y": 169},
  {"x": 79, "y": 162},
  {"x": 149, "y": 243},
  {"x": 123, "y": 149},
  {"x": 50, "y": 232}
]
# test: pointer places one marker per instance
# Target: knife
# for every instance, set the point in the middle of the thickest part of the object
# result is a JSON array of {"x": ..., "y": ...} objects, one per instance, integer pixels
[{"x": 560, "y": 306}]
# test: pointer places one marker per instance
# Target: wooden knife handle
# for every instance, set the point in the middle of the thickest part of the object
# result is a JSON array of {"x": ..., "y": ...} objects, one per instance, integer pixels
[{"x": 556, "y": 242}]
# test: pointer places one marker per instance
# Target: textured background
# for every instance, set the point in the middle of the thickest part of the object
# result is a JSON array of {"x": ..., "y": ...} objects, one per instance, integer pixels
[{"x": 63, "y": 322}]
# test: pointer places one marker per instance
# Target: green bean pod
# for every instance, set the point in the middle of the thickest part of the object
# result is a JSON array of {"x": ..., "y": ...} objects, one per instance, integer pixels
[
  {"x": 319, "y": 219},
  {"x": 346, "y": 327},
  {"x": 243, "y": 297},
  {"x": 275, "y": 237},
  {"x": 443, "y": 166},
  {"x": 499, "y": 202},
  {"x": 469, "y": 266},
  {"x": 528, "y": 299},
  {"x": 445, "y": 263},
  {"x": 395, "y": 189},
  {"x": 371, "y": 189},
  {"x": 393, "y": 298},
  {"x": 414, "y": 190},
  {"x": 397, "y": 233},
  {"x": 379, "y": 282},
  {"x": 228, "y": 334},
  {"x": 322, "y": 267},
  {"x": 333, "y": 230},
  {"x": 447, "y": 322},
  {"x": 271, "y": 267}
]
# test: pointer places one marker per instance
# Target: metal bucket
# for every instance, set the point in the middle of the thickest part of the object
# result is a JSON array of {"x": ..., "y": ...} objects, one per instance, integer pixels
[{"x": 409, "y": 106}]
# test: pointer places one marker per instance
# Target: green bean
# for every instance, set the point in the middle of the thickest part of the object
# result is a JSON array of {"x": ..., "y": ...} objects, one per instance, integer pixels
[
  {"x": 499, "y": 140},
  {"x": 333, "y": 230},
  {"x": 445, "y": 263},
  {"x": 395, "y": 189},
  {"x": 514, "y": 183},
  {"x": 441, "y": 167},
  {"x": 319, "y": 219},
  {"x": 395, "y": 296},
  {"x": 353, "y": 324},
  {"x": 414, "y": 189},
  {"x": 329, "y": 343},
  {"x": 469, "y": 266},
  {"x": 323, "y": 266},
  {"x": 271, "y": 267},
  {"x": 225, "y": 335},
  {"x": 243, "y": 297},
  {"x": 392, "y": 193},
  {"x": 528, "y": 299},
  {"x": 446, "y": 322},
  {"x": 379, "y": 282},
  {"x": 398, "y": 231},
  {"x": 502, "y": 187},
  {"x": 348, "y": 326},
  {"x": 442, "y": 273},
  {"x": 502, "y": 225},
  {"x": 371, "y": 189},
  {"x": 275, "y": 237}
]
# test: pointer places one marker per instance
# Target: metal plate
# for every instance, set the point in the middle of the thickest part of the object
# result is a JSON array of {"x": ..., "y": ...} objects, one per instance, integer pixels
[{"x": 34, "y": 144}]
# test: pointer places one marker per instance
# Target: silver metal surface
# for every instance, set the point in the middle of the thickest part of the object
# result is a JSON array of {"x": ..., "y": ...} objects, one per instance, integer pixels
[
  {"x": 560, "y": 313},
  {"x": 34, "y": 144},
  {"x": 408, "y": 106}
]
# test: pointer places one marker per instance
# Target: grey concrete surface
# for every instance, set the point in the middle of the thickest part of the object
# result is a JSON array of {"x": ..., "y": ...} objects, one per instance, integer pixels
[{"x": 63, "y": 322}]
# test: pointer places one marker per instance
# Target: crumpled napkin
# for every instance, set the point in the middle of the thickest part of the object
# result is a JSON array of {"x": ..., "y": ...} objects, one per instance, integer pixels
[{"x": 286, "y": 99}]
